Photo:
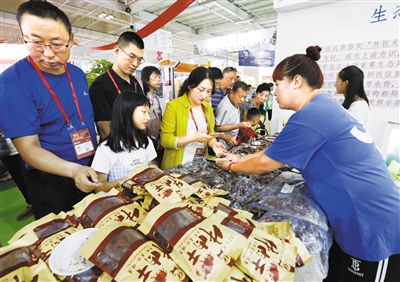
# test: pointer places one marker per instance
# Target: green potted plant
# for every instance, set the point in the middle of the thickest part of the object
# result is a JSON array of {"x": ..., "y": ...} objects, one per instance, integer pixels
[{"x": 97, "y": 67}]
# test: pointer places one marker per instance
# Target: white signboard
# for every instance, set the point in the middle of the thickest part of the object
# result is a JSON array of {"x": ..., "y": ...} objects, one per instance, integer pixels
[
  {"x": 159, "y": 40},
  {"x": 378, "y": 59},
  {"x": 252, "y": 40}
]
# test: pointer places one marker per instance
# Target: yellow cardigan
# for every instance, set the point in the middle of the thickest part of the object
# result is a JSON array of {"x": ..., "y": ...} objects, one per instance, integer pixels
[{"x": 174, "y": 124}]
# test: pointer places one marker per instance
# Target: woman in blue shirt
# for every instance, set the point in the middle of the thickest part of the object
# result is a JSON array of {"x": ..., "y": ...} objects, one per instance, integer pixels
[{"x": 343, "y": 169}]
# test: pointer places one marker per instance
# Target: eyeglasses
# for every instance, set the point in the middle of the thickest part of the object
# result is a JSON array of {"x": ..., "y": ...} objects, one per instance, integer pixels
[
  {"x": 40, "y": 46},
  {"x": 133, "y": 57}
]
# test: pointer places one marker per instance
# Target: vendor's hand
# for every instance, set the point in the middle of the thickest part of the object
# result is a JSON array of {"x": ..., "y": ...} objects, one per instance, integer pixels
[
  {"x": 202, "y": 136},
  {"x": 86, "y": 179},
  {"x": 219, "y": 149},
  {"x": 232, "y": 157},
  {"x": 230, "y": 141},
  {"x": 244, "y": 124},
  {"x": 223, "y": 164}
]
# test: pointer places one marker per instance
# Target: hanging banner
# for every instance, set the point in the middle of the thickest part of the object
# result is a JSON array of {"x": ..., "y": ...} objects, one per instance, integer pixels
[
  {"x": 256, "y": 58},
  {"x": 175, "y": 9},
  {"x": 165, "y": 17},
  {"x": 255, "y": 39}
]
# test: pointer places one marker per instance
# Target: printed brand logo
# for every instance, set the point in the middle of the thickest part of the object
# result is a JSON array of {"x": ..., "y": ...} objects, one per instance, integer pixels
[
  {"x": 355, "y": 264},
  {"x": 85, "y": 93},
  {"x": 362, "y": 136}
]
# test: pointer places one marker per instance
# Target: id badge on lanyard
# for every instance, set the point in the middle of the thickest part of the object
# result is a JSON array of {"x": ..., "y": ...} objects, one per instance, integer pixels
[{"x": 81, "y": 139}]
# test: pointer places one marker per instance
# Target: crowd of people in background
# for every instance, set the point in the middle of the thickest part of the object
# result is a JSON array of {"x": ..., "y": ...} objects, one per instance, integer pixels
[
  {"x": 212, "y": 112},
  {"x": 183, "y": 132},
  {"x": 57, "y": 159}
]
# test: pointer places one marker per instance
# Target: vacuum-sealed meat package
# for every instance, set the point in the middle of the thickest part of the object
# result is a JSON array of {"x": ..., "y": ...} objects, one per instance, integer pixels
[
  {"x": 202, "y": 189},
  {"x": 267, "y": 258},
  {"x": 47, "y": 225},
  {"x": 162, "y": 186},
  {"x": 96, "y": 210},
  {"x": 203, "y": 248},
  {"x": 23, "y": 263},
  {"x": 127, "y": 255},
  {"x": 205, "y": 206},
  {"x": 316, "y": 239}
]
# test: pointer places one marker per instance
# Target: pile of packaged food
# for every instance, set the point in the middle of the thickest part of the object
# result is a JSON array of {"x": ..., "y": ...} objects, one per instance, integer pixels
[
  {"x": 171, "y": 226},
  {"x": 277, "y": 196}
]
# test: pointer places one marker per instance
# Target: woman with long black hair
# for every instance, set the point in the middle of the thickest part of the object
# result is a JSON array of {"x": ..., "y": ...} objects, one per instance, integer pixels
[{"x": 350, "y": 83}]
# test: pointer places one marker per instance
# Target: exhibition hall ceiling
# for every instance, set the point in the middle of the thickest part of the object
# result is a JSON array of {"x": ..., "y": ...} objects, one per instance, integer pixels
[{"x": 202, "y": 19}]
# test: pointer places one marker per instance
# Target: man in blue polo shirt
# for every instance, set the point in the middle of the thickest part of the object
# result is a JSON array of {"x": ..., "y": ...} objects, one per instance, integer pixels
[{"x": 47, "y": 113}]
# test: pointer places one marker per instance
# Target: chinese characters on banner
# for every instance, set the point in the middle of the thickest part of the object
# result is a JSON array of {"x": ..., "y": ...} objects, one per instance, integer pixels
[
  {"x": 381, "y": 14},
  {"x": 379, "y": 60}
]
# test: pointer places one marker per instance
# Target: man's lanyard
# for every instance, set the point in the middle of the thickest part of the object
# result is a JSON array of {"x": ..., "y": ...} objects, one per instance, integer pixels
[
  {"x": 54, "y": 96},
  {"x": 205, "y": 117},
  {"x": 116, "y": 85}
]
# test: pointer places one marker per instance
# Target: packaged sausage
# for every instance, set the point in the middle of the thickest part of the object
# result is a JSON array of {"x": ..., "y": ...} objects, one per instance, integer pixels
[
  {"x": 267, "y": 258},
  {"x": 99, "y": 209},
  {"x": 126, "y": 254},
  {"x": 205, "y": 206},
  {"x": 202, "y": 190},
  {"x": 162, "y": 186},
  {"x": 47, "y": 226},
  {"x": 282, "y": 230},
  {"x": 131, "y": 186},
  {"x": 23, "y": 263},
  {"x": 204, "y": 249},
  {"x": 242, "y": 215},
  {"x": 149, "y": 202},
  {"x": 39, "y": 242},
  {"x": 48, "y": 232}
]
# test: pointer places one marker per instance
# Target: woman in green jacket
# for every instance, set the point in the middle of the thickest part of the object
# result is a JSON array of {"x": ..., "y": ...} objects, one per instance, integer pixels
[{"x": 187, "y": 125}]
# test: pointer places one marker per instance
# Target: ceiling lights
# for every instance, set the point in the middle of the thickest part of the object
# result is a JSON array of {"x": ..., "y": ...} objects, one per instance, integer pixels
[{"x": 103, "y": 15}]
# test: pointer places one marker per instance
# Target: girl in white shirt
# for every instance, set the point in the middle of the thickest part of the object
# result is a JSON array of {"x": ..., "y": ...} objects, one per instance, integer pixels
[
  {"x": 350, "y": 83},
  {"x": 127, "y": 146}
]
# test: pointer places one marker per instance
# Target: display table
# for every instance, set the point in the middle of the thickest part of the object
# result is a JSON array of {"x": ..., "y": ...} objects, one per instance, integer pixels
[
  {"x": 273, "y": 197},
  {"x": 183, "y": 228}
]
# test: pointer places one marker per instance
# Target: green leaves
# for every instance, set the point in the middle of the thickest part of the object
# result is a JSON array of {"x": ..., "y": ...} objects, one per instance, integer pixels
[{"x": 97, "y": 67}]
